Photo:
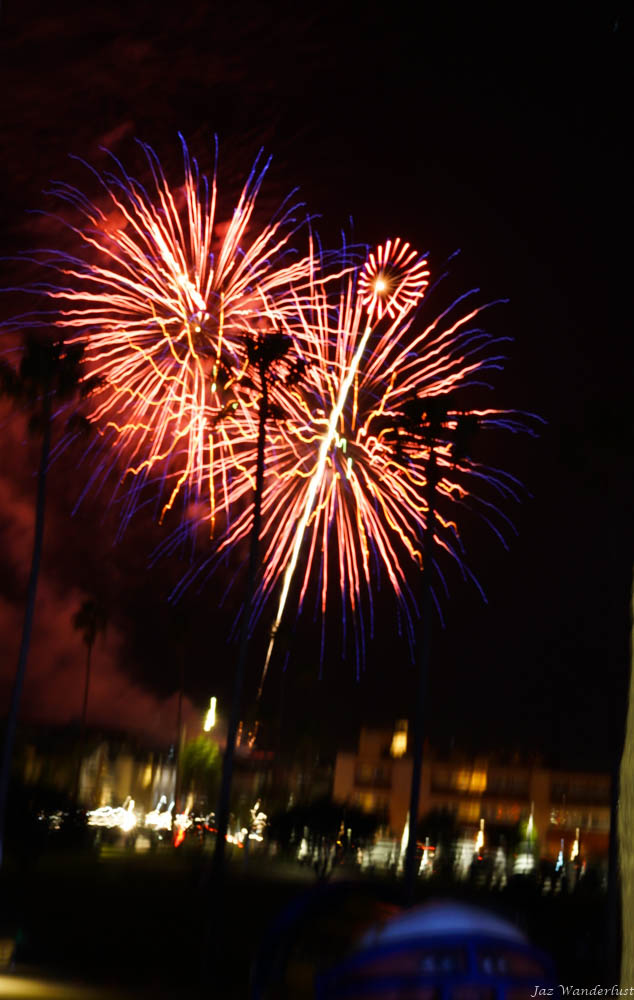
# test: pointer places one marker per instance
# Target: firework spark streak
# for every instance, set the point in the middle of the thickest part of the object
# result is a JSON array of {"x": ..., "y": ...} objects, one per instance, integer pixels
[
  {"x": 380, "y": 293},
  {"x": 313, "y": 488},
  {"x": 162, "y": 299}
]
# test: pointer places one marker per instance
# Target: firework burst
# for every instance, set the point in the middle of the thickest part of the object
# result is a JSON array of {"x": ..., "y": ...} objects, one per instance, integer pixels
[
  {"x": 393, "y": 280},
  {"x": 162, "y": 298},
  {"x": 345, "y": 499}
]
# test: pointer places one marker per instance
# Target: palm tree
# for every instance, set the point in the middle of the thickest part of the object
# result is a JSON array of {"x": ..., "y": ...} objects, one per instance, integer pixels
[
  {"x": 265, "y": 351},
  {"x": 49, "y": 372},
  {"x": 91, "y": 620},
  {"x": 426, "y": 421}
]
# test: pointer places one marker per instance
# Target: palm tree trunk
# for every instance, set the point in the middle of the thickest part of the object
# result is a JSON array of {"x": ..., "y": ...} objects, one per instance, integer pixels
[
  {"x": 82, "y": 730},
  {"x": 626, "y": 834},
  {"x": 18, "y": 683},
  {"x": 222, "y": 817},
  {"x": 424, "y": 647}
]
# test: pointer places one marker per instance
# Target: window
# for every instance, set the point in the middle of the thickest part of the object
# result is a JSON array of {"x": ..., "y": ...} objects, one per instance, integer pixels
[
  {"x": 513, "y": 785},
  {"x": 469, "y": 812},
  {"x": 581, "y": 791},
  {"x": 465, "y": 780},
  {"x": 373, "y": 775}
]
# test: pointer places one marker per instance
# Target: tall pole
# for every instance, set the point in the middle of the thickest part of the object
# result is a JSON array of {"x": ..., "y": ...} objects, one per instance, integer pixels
[
  {"x": 423, "y": 646},
  {"x": 38, "y": 536},
  {"x": 222, "y": 817}
]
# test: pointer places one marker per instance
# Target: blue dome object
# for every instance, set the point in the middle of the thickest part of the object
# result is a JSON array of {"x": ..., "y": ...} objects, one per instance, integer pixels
[{"x": 442, "y": 918}]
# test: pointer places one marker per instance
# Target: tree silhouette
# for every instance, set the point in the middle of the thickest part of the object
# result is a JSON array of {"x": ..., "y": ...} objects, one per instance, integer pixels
[
  {"x": 430, "y": 423},
  {"x": 269, "y": 360},
  {"x": 48, "y": 373}
]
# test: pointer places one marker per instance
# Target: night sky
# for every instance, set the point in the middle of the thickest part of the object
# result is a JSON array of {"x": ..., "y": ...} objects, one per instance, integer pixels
[{"x": 454, "y": 128}]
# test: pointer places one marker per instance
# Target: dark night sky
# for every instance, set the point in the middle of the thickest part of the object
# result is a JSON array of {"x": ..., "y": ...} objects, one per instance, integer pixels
[{"x": 454, "y": 128}]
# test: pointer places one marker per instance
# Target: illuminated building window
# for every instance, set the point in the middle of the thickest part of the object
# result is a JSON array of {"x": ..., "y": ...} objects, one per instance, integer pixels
[
  {"x": 399, "y": 739},
  {"x": 501, "y": 812},
  {"x": 515, "y": 785},
  {"x": 580, "y": 791},
  {"x": 469, "y": 812},
  {"x": 470, "y": 781},
  {"x": 375, "y": 775}
]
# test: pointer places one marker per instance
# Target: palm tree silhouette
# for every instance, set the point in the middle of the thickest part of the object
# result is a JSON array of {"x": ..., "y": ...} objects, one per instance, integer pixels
[
  {"x": 49, "y": 372},
  {"x": 427, "y": 422},
  {"x": 269, "y": 358}
]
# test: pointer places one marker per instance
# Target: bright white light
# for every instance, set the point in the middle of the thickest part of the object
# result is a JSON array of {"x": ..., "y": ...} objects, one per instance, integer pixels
[
  {"x": 313, "y": 487},
  {"x": 258, "y": 823},
  {"x": 424, "y": 861},
  {"x": 183, "y": 821},
  {"x": 479, "y": 844},
  {"x": 210, "y": 718},
  {"x": 530, "y": 826},
  {"x": 524, "y": 863},
  {"x": 560, "y": 857},
  {"x": 404, "y": 843},
  {"x": 111, "y": 817},
  {"x": 159, "y": 818}
]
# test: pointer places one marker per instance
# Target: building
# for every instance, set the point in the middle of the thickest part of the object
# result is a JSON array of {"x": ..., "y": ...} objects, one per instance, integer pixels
[
  {"x": 110, "y": 775},
  {"x": 565, "y": 805},
  {"x": 114, "y": 767}
]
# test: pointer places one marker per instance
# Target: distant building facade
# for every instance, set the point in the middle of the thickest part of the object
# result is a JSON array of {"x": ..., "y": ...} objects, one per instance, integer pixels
[
  {"x": 113, "y": 768},
  {"x": 565, "y": 805},
  {"x": 109, "y": 778}
]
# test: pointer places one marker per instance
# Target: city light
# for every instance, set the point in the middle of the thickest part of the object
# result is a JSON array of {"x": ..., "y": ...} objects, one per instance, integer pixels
[
  {"x": 121, "y": 817},
  {"x": 210, "y": 718},
  {"x": 183, "y": 821},
  {"x": 574, "y": 851},
  {"x": 160, "y": 818},
  {"x": 399, "y": 739},
  {"x": 479, "y": 844}
]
